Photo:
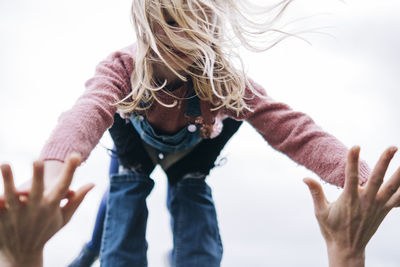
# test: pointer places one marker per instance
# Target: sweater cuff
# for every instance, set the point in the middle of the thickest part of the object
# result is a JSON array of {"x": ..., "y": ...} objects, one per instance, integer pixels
[{"x": 55, "y": 152}]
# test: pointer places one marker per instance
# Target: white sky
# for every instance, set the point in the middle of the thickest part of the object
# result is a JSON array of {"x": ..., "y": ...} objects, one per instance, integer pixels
[{"x": 348, "y": 83}]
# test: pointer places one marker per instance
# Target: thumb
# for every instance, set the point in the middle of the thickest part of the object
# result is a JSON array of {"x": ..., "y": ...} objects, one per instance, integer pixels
[
  {"x": 75, "y": 199},
  {"x": 318, "y": 196}
]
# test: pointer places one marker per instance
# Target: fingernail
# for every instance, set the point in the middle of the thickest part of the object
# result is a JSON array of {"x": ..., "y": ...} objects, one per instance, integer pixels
[
  {"x": 77, "y": 157},
  {"x": 38, "y": 163},
  {"x": 75, "y": 154}
]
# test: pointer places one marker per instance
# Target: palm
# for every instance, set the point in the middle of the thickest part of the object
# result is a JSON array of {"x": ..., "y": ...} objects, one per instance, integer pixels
[
  {"x": 349, "y": 223},
  {"x": 28, "y": 222}
]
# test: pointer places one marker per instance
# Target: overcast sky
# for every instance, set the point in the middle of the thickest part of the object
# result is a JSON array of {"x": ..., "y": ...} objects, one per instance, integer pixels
[{"x": 347, "y": 80}]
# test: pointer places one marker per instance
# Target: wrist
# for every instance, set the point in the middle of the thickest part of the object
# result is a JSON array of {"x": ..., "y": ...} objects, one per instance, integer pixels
[
  {"x": 342, "y": 256},
  {"x": 33, "y": 259}
]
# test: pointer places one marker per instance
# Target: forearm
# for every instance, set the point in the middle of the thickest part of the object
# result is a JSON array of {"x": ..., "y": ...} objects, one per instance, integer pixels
[
  {"x": 340, "y": 256},
  {"x": 296, "y": 135}
]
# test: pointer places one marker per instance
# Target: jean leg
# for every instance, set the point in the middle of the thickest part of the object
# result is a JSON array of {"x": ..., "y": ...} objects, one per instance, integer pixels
[
  {"x": 124, "y": 242},
  {"x": 197, "y": 242},
  {"x": 95, "y": 242},
  {"x": 194, "y": 223},
  {"x": 114, "y": 164},
  {"x": 97, "y": 234}
]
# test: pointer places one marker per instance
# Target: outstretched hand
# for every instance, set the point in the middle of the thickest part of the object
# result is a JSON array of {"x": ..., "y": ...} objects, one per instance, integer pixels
[
  {"x": 348, "y": 224},
  {"x": 29, "y": 219}
]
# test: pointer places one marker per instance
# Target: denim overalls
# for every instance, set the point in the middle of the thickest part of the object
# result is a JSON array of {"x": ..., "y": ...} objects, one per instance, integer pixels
[
  {"x": 193, "y": 217},
  {"x": 184, "y": 139}
]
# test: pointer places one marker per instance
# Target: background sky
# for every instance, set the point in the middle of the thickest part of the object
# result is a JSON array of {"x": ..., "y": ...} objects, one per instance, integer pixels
[{"x": 347, "y": 80}]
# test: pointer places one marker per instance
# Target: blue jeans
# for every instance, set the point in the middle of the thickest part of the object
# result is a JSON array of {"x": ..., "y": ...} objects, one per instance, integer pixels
[
  {"x": 193, "y": 218},
  {"x": 124, "y": 242},
  {"x": 196, "y": 238}
]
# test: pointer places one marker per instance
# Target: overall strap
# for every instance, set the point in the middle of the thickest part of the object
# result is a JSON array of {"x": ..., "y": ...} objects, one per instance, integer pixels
[
  {"x": 208, "y": 119},
  {"x": 199, "y": 112}
]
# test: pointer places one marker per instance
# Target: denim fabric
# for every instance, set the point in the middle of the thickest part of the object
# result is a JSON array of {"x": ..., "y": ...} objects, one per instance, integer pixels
[
  {"x": 129, "y": 146},
  {"x": 203, "y": 157},
  {"x": 124, "y": 235},
  {"x": 196, "y": 238},
  {"x": 179, "y": 141},
  {"x": 193, "y": 218},
  {"x": 95, "y": 242}
]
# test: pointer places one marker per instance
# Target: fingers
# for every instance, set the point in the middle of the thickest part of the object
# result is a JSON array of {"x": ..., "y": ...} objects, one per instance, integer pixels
[
  {"x": 2, "y": 203},
  {"x": 37, "y": 187},
  {"x": 390, "y": 192},
  {"x": 318, "y": 196},
  {"x": 60, "y": 190},
  {"x": 10, "y": 193},
  {"x": 351, "y": 181},
  {"x": 74, "y": 201},
  {"x": 376, "y": 179}
]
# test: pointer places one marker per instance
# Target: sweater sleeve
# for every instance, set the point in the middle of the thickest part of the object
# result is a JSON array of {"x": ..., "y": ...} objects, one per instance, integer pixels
[
  {"x": 296, "y": 135},
  {"x": 80, "y": 128}
]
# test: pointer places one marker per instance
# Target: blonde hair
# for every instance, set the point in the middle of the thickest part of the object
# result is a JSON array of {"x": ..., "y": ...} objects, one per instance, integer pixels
[{"x": 213, "y": 30}]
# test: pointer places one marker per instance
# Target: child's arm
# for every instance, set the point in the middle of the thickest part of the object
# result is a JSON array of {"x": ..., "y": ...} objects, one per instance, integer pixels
[
  {"x": 296, "y": 135},
  {"x": 26, "y": 224},
  {"x": 348, "y": 224},
  {"x": 80, "y": 128}
]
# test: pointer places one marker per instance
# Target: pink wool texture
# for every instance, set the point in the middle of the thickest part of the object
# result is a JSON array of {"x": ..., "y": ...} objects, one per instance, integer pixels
[{"x": 290, "y": 132}]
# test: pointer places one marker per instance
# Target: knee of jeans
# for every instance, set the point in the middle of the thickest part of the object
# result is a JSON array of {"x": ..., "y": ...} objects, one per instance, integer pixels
[
  {"x": 134, "y": 168},
  {"x": 128, "y": 177},
  {"x": 189, "y": 179},
  {"x": 192, "y": 182},
  {"x": 194, "y": 175},
  {"x": 175, "y": 175}
]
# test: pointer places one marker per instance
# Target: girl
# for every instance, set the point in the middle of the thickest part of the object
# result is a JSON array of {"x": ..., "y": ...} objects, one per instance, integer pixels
[{"x": 174, "y": 98}]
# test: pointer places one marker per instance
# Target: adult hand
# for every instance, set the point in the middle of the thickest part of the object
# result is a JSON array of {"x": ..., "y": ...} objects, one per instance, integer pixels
[
  {"x": 28, "y": 222},
  {"x": 52, "y": 174},
  {"x": 348, "y": 224}
]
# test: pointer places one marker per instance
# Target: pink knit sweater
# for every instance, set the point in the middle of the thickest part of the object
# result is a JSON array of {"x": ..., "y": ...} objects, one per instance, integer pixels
[{"x": 293, "y": 133}]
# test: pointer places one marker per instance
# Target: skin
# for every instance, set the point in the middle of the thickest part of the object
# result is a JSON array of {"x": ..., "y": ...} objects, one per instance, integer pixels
[
  {"x": 163, "y": 72},
  {"x": 28, "y": 222},
  {"x": 348, "y": 224}
]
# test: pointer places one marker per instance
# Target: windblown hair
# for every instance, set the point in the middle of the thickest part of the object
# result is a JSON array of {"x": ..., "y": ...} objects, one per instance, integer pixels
[{"x": 208, "y": 32}]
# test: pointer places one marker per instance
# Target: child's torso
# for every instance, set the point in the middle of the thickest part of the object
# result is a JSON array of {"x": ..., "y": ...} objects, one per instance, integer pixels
[{"x": 168, "y": 120}]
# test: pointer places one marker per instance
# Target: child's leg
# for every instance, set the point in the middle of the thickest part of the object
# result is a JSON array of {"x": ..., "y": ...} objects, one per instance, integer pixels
[
  {"x": 193, "y": 217},
  {"x": 124, "y": 242},
  {"x": 95, "y": 242},
  {"x": 90, "y": 252},
  {"x": 194, "y": 224}
]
